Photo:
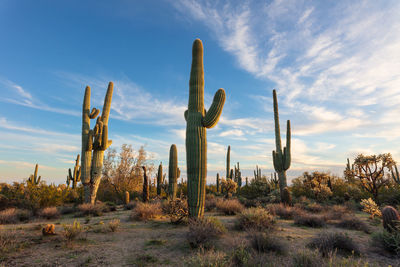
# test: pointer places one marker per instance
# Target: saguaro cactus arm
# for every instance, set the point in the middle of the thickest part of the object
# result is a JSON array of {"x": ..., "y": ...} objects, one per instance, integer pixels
[
  {"x": 395, "y": 174},
  {"x": 212, "y": 116}
]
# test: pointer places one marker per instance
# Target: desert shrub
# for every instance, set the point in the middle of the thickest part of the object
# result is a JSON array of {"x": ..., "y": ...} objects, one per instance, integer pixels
[
  {"x": 13, "y": 215},
  {"x": 204, "y": 231},
  {"x": 146, "y": 211},
  {"x": 370, "y": 207},
  {"x": 240, "y": 256},
  {"x": 88, "y": 209},
  {"x": 67, "y": 210},
  {"x": 310, "y": 220},
  {"x": 389, "y": 241},
  {"x": 229, "y": 206},
  {"x": 131, "y": 205},
  {"x": 177, "y": 210},
  {"x": 255, "y": 189},
  {"x": 283, "y": 211},
  {"x": 353, "y": 223},
  {"x": 49, "y": 213},
  {"x": 336, "y": 212},
  {"x": 330, "y": 242},
  {"x": 211, "y": 202},
  {"x": 255, "y": 218},
  {"x": 263, "y": 242},
  {"x": 209, "y": 258},
  {"x": 314, "y": 208},
  {"x": 307, "y": 258},
  {"x": 109, "y": 206},
  {"x": 8, "y": 241},
  {"x": 24, "y": 215},
  {"x": 72, "y": 231},
  {"x": 113, "y": 225}
]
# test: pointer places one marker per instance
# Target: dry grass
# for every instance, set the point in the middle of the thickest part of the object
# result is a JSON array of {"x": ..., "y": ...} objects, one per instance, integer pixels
[
  {"x": 72, "y": 231},
  {"x": 284, "y": 212},
  {"x": 230, "y": 206},
  {"x": 211, "y": 202},
  {"x": 8, "y": 216},
  {"x": 176, "y": 210},
  {"x": 353, "y": 223},
  {"x": 310, "y": 220},
  {"x": 337, "y": 212},
  {"x": 146, "y": 211},
  {"x": 314, "y": 208},
  {"x": 88, "y": 209},
  {"x": 8, "y": 241},
  {"x": 203, "y": 232},
  {"x": 255, "y": 218},
  {"x": 49, "y": 213},
  {"x": 263, "y": 242},
  {"x": 113, "y": 225},
  {"x": 331, "y": 242}
]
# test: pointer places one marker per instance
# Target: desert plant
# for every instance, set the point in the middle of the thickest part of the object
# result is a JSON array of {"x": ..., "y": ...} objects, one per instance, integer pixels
[
  {"x": 263, "y": 242},
  {"x": 228, "y": 187},
  {"x": 94, "y": 142},
  {"x": 49, "y": 229},
  {"x": 8, "y": 241},
  {"x": 329, "y": 242},
  {"x": 76, "y": 176},
  {"x": 131, "y": 205},
  {"x": 159, "y": 179},
  {"x": 177, "y": 210},
  {"x": 72, "y": 231},
  {"x": 113, "y": 225},
  {"x": 314, "y": 208},
  {"x": 204, "y": 231},
  {"x": 283, "y": 211},
  {"x": 229, "y": 206},
  {"x": 8, "y": 216},
  {"x": 88, "y": 209},
  {"x": 173, "y": 172},
  {"x": 255, "y": 218},
  {"x": 353, "y": 223},
  {"x": 370, "y": 207},
  {"x": 307, "y": 258},
  {"x": 390, "y": 218},
  {"x": 146, "y": 211},
  {"x": 127, "y": 198},
  {"x": 286, "y": 197},
  {"x": 197, "y": 122},
  {"x": 218, "y": 187},
  {"x": 228, "y": 163},
  {"x": 211, "y": 202},
  {"x": 208, "y": 258},
  {"x": 281, "y": 158},
  {"x": 145, "y": 193},
  {"x": 49, "y": 213},
  {"x": 389, "y": 241},
  {"x": 309, "y": 220},
  {"x": 67, "y": 210},
  {"x": 33, "y": 178}
]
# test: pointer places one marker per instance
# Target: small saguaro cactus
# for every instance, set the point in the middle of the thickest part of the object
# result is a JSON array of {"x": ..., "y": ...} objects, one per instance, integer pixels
[
  {"x": 33, "y": 178},
  {"x": 127, "y": 200},
  {"x": 159, "y": 179},
  {"x": 146, "y": 193},
  {"x": 247, "y": 181},
  {"x": 76, "y": 177},
  {"x": 395, "y": 174},
  {"x": 281, "y": 158},
  {"x": 94, "y": 143},
  {"x": 217, "y": 182},
  {"x": 228, "y": 163},
  {"x": 197, "y": 120},
  {"x": 257, "y": 173},
  {"x": 390, "y": 218},
  {"x": 173, "y": 172}
]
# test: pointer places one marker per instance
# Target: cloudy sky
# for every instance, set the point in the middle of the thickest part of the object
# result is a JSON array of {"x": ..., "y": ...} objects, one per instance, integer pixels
[{"x": 335, "y": 65}]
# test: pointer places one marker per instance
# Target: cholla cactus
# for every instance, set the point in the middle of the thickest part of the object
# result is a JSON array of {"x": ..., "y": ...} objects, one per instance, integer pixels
[
  {"x": 76, "y": 176},
  {"x": 33, "y": 178},
  {"x": 370, "y": 207},
  {"x": 229, "y": 187}
]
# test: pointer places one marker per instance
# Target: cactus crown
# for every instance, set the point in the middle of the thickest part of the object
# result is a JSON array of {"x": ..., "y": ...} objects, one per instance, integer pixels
[{"x": 33, "y": 178}]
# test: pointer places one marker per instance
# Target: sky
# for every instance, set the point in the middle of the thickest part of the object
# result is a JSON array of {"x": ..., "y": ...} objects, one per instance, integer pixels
[{"x": 335, "y": 66}]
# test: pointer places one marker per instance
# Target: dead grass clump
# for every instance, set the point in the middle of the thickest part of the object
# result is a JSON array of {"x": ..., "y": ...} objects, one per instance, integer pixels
[
  {"x": 263, "y": 242},
  {"x": 113, "y": 225},
  {"x": 207, "y": 259},
  {"x": 336, "y": 212},
  {"x": 255, "y": 218},
  {"x": 72, "y": 231},
  {"x": 314, "y": 208},
  {"x": 146, "y": 211},
  {"x": 354, "y": 223},
  {"x": 203, "y": 232},
  {"x": 283, "y": 211},
  {"x": 330, "y": 242},
  {"x": 88, "y": 209},
  {"x": 211, "y": 202},
  {"x": 49, "y": 213},
  {"x": 307, "y": 258},
  {"x": 177, "y": 210},
  {"x": 49, "y": 229},
  {"x": 8, "y": 216},
  {"x": 310, "y": 220},
  {"x": 230, "y": 206}
]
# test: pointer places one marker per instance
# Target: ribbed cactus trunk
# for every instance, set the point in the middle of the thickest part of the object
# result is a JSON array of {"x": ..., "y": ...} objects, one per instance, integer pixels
[
  {"x": 75, "y": 178},
  {"x": 159, "y": 179},
  {"x": 33, "y": 178},
  {"x": 94, "y": 143},
  {"x": 146, "y": 193},
  {"x": 127, "y": 199},
  {"x": 173, "y": 172},
  {"x": 217, "y": 182},
  {"x": 228, "y": 163},
  {"x": 281, "y": 158},
  {"x": 197, "y": 120}
]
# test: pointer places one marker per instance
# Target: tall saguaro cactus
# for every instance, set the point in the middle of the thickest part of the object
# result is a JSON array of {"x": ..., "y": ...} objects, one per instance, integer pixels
[
  {"x": 75, "y": 178},
  {"x": 228, "y": 163},
  {"x": 33, "y": 178},
  {"x": 173, "y": 172},
  {"x": 159, "y": 179},
  {"x": 146, "y": 191},
  {"x": 94, "y": 143},
  {"x": 197, "y": 120},
  {"x": 281, "y": 158},
  {"x": 217, "y": 182}
]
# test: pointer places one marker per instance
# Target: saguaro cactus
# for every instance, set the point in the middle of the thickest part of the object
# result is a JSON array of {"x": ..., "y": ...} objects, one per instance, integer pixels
[
  {"x": 159, "y": 179},
  {"x": 173, "y": 172},
  {"x": 94, "y": 142},
  {"x": 127, "y": 200},
  {"x": 197, "y": 120},
  {"x": 257, "y": 173},
  {"x": 281, "y": 158},
  {"x": 33, "y": 178},
  {"x": 217, "y": 182},
  {"x": 146, "y": 193},
  {"x": 228, "y": 163},
  {"x": 76, "y": 177},
  {"x": 395, "y": 174}
]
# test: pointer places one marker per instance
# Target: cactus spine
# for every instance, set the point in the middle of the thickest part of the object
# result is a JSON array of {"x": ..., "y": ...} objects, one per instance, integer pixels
[
  {"x": 197, "y": 120},
  {"x": 390, "y": 218},
  {"x": 217, "y": 182},
  {"x": 281, "y": 158},
  {"x": 173, "y": 172},
  {"x": 94, "y": 143},
  {"x": 228, "y": 163},
  {"x": 145, "y": 194},
  {"x": 33, "y": 178},
  {"x": 127, "y": 197},
  {"x": 76, "y": 177},
  {"x": 159, "y": 179}
]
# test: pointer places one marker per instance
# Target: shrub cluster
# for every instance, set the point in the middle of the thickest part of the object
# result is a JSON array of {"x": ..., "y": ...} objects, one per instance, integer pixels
[
  {"x": 146, "y": 211},
  {"x": 330, "y": 242},
  {"x": 310, "y": 220},
  {"x": 203, "y": 232},
  {"x": 229, "y": 206},
  {"x": 255, "y": 218}
]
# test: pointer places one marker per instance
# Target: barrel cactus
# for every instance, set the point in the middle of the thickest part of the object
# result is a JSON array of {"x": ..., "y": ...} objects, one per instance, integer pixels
[
  {"x": 390, "y": 218},
  {"x": 159, "y": 179},
  {"x": 94, "y": 143},
  {"x": 33, "y": 178},
  {"x": 281, "y": 158},
  {"x": 74, "y": 177},
  {"x": 173, "y": 172},
  {"x": 197, "y": 120},
  {"x": 146, "y": 193}
]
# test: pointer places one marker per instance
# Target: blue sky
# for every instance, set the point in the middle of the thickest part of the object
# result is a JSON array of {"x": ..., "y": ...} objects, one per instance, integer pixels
[{"x": 335, "y": 65}]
